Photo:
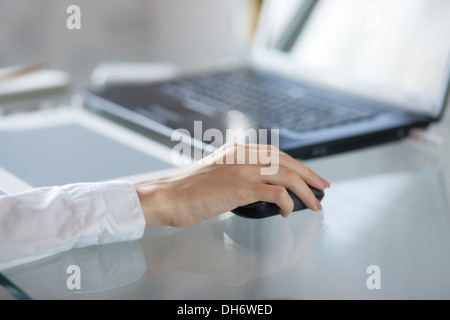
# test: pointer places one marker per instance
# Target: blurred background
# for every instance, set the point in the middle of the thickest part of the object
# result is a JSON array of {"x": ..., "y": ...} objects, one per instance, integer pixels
[{"x": 193, "y": 35}]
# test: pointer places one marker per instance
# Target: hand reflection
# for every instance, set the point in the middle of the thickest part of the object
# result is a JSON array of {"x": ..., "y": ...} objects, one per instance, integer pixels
[
  {"x": 229, "y": 249},
  {"x": 232, "y": 249},
  {"x": 105, "y": 270}
]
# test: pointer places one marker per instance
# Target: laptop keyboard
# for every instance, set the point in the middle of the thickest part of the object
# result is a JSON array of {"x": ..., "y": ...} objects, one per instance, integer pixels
[{"x": 270, "y": 101}]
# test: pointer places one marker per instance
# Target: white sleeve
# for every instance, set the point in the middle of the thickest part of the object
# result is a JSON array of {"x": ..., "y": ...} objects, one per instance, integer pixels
[{"x": 45, "y": 221}]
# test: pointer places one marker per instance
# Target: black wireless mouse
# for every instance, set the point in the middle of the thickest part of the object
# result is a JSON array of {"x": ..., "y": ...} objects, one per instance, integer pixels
[{"x": 261, "y": 209}]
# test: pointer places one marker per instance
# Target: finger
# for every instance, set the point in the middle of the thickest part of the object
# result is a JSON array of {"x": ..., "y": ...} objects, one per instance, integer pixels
[
  {"x": 290, "y": 180},
  {"x": 250, "y": 146},
  {"x": 271, "y": 158},
  {"x": 270, "y": 155},
  {"x": 308, "y": 175},
  {"x": 243, "y": 154},
  {"x": 278, "y": 196},
  {"x": 261, "y": 155}
]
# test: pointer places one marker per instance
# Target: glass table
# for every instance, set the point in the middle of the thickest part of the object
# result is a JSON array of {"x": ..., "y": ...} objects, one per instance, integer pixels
[{"x": 383, "y": 234}]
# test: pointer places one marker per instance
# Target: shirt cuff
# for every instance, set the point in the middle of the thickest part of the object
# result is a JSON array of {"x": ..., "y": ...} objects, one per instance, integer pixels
[{"x": 107, "y": 212}]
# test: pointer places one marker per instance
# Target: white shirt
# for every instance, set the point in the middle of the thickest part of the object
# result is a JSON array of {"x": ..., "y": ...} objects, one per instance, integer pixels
[{"x": 45, "y": 221}]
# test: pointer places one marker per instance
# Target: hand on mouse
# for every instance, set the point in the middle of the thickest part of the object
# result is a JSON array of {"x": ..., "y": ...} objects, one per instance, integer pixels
[{"x": 228, "y": 178}]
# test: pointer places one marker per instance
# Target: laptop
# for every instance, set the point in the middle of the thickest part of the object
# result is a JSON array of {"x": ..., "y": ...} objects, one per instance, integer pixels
[{"x": 326, "y": 76}]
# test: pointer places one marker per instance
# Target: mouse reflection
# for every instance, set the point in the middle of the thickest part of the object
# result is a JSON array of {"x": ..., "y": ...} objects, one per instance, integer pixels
[{"x": 234, "y": 250}]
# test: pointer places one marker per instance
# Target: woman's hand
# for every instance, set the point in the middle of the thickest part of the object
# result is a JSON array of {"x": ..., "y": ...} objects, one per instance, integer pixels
[{"x": 228, "y": 178}]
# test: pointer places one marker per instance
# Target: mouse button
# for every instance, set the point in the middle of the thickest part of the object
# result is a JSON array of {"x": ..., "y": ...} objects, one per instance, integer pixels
[{"x": 318, "y": 193}]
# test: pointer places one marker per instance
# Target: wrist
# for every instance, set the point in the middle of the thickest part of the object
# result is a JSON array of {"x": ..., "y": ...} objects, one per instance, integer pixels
[{"x": 153, "y": 204}]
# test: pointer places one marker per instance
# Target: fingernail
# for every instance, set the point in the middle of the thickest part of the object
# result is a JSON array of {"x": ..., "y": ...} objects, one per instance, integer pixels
[
  {"x": 325, "y": 183},
  {"x": 318, "y": 205}
]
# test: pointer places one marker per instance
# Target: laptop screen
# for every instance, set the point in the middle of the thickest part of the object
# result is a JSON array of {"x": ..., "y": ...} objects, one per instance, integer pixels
[{"x": 397, "y": 51}]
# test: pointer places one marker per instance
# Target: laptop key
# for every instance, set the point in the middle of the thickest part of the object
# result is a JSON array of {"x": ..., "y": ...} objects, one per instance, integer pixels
[{"x": 266, "y": 100}]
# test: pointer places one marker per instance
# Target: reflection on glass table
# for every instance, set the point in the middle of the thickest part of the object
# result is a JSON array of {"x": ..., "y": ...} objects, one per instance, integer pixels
[{"x": 397, "y": 221}]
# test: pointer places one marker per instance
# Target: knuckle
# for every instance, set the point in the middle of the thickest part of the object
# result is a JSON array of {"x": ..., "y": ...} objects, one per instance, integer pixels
[
  {"x": 228, "y": 147},
  {"x": 273, "y": 148},
  {"x": 308, "y": 171},
  {"x": 283, "y": 157},
  {"x": 280, "y": 194},
  {"x": 289, "y": 177},
  {"x": 232, "y": 145}
]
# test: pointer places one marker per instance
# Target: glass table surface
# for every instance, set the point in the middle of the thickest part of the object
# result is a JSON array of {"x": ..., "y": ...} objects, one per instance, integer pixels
[{"x": 383, "y": 234}]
